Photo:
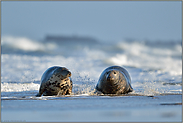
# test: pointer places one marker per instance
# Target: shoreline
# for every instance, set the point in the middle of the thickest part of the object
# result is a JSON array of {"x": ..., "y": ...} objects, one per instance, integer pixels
[{"x": 18, "y": 95}]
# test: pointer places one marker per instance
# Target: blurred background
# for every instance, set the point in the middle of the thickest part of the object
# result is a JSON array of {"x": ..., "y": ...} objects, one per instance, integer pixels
[{"x": 104, "y": 20}]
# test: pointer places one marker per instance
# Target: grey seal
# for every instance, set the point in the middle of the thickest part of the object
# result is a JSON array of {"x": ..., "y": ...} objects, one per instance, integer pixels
[
  {"x": 55, "y": 81},
  {"x": 114, "y": 80}
]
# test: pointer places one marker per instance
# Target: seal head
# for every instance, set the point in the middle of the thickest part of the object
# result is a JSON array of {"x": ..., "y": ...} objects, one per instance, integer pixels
[
  {"x": 55, "y": 81},
  {"x": 114, "y": 80}
]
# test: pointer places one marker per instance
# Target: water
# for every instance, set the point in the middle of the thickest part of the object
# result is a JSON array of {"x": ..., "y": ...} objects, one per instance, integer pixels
[
  {"x": 94, "y": 109},
  {"x": 154, "y": 67}
]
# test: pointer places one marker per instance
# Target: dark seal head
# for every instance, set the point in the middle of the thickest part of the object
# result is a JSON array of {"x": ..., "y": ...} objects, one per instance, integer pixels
[
  {"x": 55, "y": 81},
  {"x": 114, "y": 80}
]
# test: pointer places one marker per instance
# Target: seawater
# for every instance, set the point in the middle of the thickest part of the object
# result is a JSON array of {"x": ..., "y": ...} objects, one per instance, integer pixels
[{"x": 155, "y": 67}]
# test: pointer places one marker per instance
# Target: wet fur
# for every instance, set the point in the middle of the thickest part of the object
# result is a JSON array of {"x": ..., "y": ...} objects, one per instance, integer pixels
[
  {"x": 58, "y": 86},
  {"x": 55, "y": 83}
]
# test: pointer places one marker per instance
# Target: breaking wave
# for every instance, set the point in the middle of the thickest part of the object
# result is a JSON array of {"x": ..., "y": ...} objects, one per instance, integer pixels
[{"x": 12, "y": 44}]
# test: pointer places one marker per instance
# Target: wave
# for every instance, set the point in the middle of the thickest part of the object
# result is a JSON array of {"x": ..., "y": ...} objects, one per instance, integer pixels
[
  {"x": 140, "y": 55},
  {"x": 11, "y": 44},
  {"x": 135, "y": 48}
]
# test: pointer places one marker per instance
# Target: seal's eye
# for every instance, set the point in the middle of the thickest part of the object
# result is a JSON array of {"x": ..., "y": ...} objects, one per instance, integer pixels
[{"x": 114, "y": 72}]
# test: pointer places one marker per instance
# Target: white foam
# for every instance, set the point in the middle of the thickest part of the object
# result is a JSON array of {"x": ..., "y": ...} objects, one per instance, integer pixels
[
  {"x": 119, "y": 59},
  {"x": 18, "y": 87},
  {"x": 139, "y": 55},
  {"x": 22, "y": 43},
  {"x": 26, "y": 44}
]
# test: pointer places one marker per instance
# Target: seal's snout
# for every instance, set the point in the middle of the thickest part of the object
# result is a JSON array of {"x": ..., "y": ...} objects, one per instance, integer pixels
[
  {"x": 69, "y": 74},
  {"x": 66, "y": 73},
  {"x": 110, "y": 76}
]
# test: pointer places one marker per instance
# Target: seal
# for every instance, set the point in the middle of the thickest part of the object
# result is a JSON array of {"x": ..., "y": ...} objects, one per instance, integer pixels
[
  {"x": 114, "y": 80},
  {"x": 55, "y": 81}
]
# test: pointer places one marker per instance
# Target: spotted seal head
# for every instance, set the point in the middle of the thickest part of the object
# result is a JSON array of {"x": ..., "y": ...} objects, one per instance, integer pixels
[
  {"x": 55, "y": 81},
  {"x": 114, "y": 80}
]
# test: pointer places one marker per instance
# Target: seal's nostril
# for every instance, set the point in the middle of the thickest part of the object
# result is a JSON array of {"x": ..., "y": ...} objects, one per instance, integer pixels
[
  {"x": 69, "y": 74},
  {"x": 110, "y": 78}
]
